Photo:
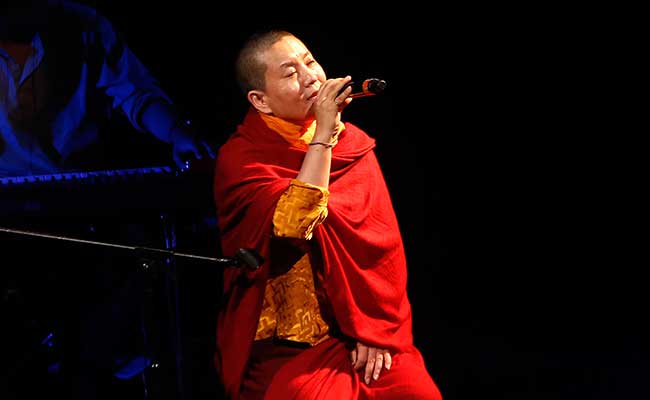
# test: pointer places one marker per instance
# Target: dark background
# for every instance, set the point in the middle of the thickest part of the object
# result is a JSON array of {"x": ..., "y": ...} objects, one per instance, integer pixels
[
  {"x": 191, "y": 49},
  {"x": 516, "y": 289}
]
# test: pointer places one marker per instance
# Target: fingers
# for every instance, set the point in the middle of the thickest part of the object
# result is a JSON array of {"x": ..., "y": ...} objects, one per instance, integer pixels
[
  {"x": 379, "y": 363},
  {"x": 371, "y": 366},
  {"x": 371, "y": 359},
  {"x": 197, "y": 154},
  {"x": 362, "y": 356},
  {"x": 178, "y": 160},
  {"x": 342, "y": 103},
  {"x": 182, "y": 158},
  {"x": 388, "y": 360},
  {"x": 203, "y": 149},
  {"x": 341, "y": 98},
  {"x": 331, "y": 90},
  {"x": 211, "y": 152}
]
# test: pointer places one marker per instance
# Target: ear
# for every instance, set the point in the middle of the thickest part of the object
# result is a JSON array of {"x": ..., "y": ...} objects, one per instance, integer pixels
[{"x": 258, "y": 99}]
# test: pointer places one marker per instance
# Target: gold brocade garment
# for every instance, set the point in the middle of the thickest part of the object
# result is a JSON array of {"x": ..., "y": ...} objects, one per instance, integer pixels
[{"x": 291, "y": 310}]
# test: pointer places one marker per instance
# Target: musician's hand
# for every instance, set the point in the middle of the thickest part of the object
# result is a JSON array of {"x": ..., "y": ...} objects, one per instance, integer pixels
[
  {"x": 371, "y": 359},
  {"x": 188, "y": 145}
]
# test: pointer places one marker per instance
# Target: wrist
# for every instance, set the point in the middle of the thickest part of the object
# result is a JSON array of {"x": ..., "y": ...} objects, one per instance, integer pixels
[
  {"x": 179, "y": 129},
  {"x": 331, "y": 142},
  {"x": 324, "y": 144}
]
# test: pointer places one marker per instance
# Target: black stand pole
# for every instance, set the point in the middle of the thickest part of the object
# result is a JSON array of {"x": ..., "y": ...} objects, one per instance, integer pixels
[
  {"x": 241, "y": 260},
  {"x": 173, "y": 304}
]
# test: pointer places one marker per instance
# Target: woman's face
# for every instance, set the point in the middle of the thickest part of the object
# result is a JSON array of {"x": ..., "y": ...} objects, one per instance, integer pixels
[{"x": 293, "y": 78}]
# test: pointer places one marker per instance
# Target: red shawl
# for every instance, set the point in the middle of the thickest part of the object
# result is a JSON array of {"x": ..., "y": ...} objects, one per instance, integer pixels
[{"x": 363, "y": 255}]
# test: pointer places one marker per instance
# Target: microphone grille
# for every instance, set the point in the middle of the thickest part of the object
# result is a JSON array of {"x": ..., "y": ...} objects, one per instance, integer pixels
[{"x": 376, "y": 85}]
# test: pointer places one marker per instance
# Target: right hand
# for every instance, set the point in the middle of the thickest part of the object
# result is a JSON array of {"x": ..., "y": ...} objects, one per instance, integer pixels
[
  {"x": 371, "y": 359},
  {"x": 329, "y": 104},
  {"x": 187, "y": 144}
]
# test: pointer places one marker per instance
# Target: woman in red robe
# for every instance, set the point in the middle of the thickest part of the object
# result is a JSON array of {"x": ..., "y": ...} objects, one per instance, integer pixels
[{"x": 327, "y": 315}]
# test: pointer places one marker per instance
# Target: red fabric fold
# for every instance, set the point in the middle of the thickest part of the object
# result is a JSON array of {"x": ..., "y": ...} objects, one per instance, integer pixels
[
  {"x": 364, "y": 261},
  {"x": 324, "y": 372}
]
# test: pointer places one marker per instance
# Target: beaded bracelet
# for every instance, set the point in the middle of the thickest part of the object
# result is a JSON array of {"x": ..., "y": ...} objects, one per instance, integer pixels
[{"x": 326, "y": 145}]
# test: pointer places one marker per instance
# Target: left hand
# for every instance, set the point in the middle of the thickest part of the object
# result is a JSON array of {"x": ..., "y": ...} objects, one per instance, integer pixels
[{"x": 372, "y": 358}]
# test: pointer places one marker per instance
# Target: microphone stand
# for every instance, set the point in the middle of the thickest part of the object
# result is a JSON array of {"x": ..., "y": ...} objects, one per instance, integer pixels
[
  {"x": 245, "y": 258},
  {"x": 225, "y": 261}
]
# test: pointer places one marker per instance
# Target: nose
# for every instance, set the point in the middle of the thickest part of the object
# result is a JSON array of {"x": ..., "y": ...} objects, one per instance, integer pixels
[{"x": 308, "y": 77}]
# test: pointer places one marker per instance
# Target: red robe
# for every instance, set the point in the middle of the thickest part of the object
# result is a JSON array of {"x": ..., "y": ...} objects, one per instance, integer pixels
[{"x": 363, "y": 258}]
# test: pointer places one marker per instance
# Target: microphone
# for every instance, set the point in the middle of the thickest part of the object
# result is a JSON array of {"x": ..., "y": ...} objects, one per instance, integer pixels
[
  {"x": 248, "y": 258},
  {"x": 368, "y": 87},
  {"x": 245, "y": 258}
]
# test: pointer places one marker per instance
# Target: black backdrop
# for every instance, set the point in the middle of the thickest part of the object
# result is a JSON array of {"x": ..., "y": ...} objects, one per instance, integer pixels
[{"x": 508, "y": 301}]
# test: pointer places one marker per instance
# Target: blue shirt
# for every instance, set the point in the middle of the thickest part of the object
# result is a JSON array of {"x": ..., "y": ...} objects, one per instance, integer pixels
[{"x": 78, "y": 73}]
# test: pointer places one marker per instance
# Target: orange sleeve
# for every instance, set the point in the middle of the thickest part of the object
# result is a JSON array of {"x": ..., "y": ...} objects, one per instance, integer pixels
[{"x": 300, "y": 209}]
